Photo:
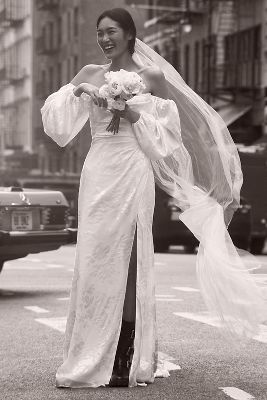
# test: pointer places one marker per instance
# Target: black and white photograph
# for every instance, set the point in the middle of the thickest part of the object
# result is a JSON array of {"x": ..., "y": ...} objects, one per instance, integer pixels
[{"x": 133, "y": 199}]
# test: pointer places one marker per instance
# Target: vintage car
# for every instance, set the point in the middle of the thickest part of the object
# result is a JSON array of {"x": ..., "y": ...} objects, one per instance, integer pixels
[
  {"x": 31, "y": 221},
  {"x": 169, "y": 230},
  {"x": 254, "y": 165}
]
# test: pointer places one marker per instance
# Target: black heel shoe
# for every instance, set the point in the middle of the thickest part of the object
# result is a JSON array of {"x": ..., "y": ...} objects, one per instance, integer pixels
[{"x": 124, "y": 356}]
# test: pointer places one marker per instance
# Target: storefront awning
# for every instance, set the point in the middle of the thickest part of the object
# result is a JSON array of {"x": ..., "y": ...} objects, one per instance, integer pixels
[{"x": 232, "y": 112}]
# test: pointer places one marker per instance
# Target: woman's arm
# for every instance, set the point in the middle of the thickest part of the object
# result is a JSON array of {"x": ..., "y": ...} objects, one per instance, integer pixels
[
  {"x": 156, "y": 85},
  {"x": 81, "y": 81}
]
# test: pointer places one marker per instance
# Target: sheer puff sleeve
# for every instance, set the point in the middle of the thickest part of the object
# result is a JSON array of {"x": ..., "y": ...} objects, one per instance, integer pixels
[
  {"x": 158, "y": 128},
  {"x": 64, "y": 114}
]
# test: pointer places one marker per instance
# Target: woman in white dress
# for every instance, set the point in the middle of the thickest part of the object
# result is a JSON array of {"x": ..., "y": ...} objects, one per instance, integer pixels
[{"x": 110, "y": 337}]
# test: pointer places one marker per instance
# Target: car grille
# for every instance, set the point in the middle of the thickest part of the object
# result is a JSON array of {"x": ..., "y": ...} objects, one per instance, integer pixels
[
  {"x": 42, "y": 218},
  {"x": 54, "y": 217}
]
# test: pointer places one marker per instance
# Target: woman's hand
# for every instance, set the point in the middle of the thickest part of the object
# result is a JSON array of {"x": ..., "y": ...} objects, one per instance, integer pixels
[
  {"x": 129, "y": 114},
  {"x": 92, "y": 91}
]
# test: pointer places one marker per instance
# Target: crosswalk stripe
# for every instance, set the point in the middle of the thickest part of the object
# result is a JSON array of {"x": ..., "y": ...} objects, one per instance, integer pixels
[
  {"x": 206, "y": 318},
  {"x": 63, "y": 298},
  {"x": 167, "y": 299},
  {"x": 25, "y": 267},
  {"x": 165, "y": 364},
  {"x": 165, "y": 295},
  {"x": 36, "y": 309},
  {"x": 261, "y": 278},
  {"x": 185, "y": 289},
  {"x": 57, "y": 323},
  {"x": 54, "y": 266},
  {"x": 236, "y": 393}
]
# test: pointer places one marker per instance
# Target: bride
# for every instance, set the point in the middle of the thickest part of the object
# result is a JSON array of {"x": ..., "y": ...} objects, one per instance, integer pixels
[{"x": 168, "y": 135}]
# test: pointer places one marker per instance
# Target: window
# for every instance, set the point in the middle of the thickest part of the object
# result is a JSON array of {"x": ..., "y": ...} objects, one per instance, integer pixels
[
  {"x": 69, "y": 25},
  {"x": 59, "y": 31},
  {"x": 75, "y": 64},
  {"x": 59, "y": 74},
  {"x": 58, "y": 164},
  {"x": 197, "y": 64},
  {"x": 76, "y": 22},
  {"x": 50, "y": 164},
  {"x": 51, "y": 35},
  {"x": 51, "y": 86},
  {"x": 69, "y": 72},
  {"x": 186, "y": 62},
  {"x": 150, "y": 11},
  {"x": 74, "y": 162},
  {"x": 42, "y": 87}
]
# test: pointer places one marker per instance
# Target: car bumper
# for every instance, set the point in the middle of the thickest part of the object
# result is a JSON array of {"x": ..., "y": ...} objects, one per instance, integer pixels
[
  {"x": 20, "y": 243},
  {"x": 64, "y": 236}
]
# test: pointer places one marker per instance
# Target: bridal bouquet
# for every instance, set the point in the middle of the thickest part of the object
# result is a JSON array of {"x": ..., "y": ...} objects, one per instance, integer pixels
[{"x": 120, "y": 86}]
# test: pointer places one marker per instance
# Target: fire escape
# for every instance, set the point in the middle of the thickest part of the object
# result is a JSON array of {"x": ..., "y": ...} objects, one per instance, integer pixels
[
  {"x": 225, "y": 22},
  {"x": 46, "y": 44},
  {"x": 235, "y": 73},
  {"x": 12, "y": 15}
]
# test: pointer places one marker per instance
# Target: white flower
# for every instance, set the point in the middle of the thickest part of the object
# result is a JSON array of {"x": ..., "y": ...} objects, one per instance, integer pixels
[
  {"x": 104, "y": 91},
  {"x": 121, "y": 86},
  {"x": 114, "y": 82},
  {"x": 115, "y": 88},
  {"x": 132, "y": 84}
]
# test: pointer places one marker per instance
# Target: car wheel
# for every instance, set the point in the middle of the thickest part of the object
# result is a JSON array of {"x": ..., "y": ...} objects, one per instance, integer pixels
[
  {"x": 161, "y": 247},
  {"x": 189, "y": 249},
  {"x": 1, "y": 264},
  {"x": 257, "y": 245}
]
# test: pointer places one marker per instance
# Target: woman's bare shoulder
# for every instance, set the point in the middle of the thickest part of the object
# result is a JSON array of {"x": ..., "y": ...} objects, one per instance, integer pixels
[
  {"x": 154, "y": 72},
  {"x": 157, "y": 81},
  {"x": 94, "y": 67},
  {"x": 86, "y": 72}
]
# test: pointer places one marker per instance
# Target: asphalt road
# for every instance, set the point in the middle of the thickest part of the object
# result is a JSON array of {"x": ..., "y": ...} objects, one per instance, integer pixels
[{"x": 203, "y": 364}]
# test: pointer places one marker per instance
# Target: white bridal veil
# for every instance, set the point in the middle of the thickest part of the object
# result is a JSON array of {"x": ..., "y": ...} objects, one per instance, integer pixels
[{"x": 204, "y": 177}]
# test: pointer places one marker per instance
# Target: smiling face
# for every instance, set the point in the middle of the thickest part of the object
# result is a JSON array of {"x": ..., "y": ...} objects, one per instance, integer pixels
[{"x": 112, "y": 39}]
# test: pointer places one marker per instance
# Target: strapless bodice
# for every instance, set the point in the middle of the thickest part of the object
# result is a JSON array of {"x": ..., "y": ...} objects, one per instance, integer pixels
[{"x": 99, "y": 120}]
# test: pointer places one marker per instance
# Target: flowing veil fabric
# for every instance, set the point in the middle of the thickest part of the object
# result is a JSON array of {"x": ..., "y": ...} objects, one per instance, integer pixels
[{"x": 204, "y": 177}]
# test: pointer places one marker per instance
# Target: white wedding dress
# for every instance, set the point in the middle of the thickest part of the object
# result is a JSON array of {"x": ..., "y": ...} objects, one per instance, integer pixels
[{"x": 117, "y": 194}]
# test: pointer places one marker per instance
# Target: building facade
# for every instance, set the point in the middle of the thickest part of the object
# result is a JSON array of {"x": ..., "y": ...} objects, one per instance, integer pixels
[
  {"x": 218, "y": 48},
  {"x": 15, "y": 84},
  {"x": 43, "y": 44}
]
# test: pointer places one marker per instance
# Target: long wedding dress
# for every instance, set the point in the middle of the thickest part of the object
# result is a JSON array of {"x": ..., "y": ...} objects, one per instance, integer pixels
[{"x": 116, "y": 196}]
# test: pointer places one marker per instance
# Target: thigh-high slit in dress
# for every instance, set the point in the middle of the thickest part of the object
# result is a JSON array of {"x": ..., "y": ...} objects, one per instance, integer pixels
[{"x": 116, "y": 196}]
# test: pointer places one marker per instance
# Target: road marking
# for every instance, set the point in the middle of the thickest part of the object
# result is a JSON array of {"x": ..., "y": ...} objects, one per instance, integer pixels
[
  {"x": 54, "y": 266},
  {"x": 163, "y": 299},
  {"x": 236, "y": 393},
  {"x": 58, "y": 323},
  {"x": 71, "y": 269},
  {"x": 165, "y": 295},
  {"x": 36, "y": 309},
  {"x": 25, "y": 267},
  {"x": 185, "y": 289},
  {"x": 167, "y": 360},
  {"x": 206, "y": 318},
  {"x": 261, "y": 278},
  {"x": 159, "y": 263},
  {"x": 164, "y": 365},
  {"x": 63, "y": 298}
]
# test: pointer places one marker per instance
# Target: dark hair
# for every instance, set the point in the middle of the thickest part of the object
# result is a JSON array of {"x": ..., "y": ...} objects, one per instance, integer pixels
[{"x": 125, "y": 21}]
